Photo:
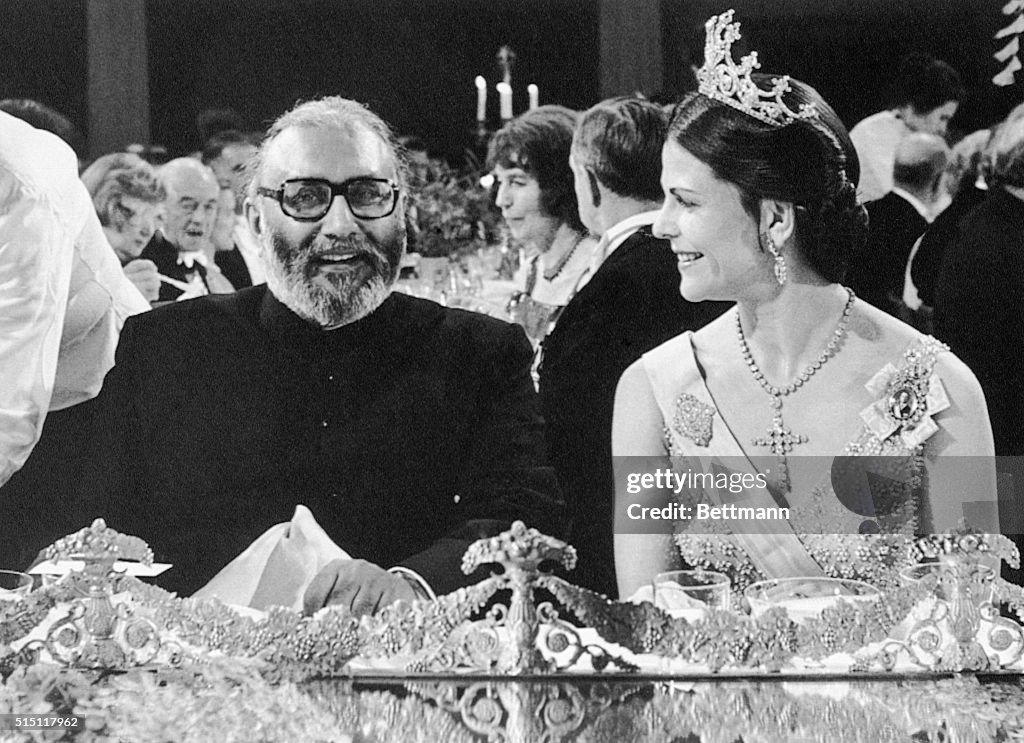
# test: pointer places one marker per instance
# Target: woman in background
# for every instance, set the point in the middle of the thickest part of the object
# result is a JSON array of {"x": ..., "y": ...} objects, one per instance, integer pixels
[
  {"x": 129, "y": 202},
  {"x": 529, "y": 157}
]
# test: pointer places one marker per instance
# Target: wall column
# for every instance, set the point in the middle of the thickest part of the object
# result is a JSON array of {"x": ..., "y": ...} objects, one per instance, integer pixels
[
  {"x": 631, "y": 58},
  {"x": 118, "y": 75}
]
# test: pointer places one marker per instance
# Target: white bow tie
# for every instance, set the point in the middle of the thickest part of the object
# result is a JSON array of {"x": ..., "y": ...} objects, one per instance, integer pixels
[{"x": 189, "y": 259}]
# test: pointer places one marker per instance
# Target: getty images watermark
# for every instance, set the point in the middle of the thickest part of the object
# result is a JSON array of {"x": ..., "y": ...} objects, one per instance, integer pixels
[
  {"x": 666, "y": 479},
  {"x": 845, "y": 494}
]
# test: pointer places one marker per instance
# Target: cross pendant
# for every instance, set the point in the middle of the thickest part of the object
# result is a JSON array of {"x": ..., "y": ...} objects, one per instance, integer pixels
[{"x": 780, "y": 439}]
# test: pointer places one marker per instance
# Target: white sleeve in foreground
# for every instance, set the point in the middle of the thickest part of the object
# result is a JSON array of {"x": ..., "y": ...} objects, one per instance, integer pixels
[{"x": 35, "y": 266}]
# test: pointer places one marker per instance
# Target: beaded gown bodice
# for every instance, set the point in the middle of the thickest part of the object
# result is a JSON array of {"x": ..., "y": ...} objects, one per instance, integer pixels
[{"x": 886, "y": 452}]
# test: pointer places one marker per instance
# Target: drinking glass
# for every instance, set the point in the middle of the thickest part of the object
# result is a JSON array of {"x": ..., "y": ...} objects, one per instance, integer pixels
[
  {"x": 690, "y": 593},
  {"x": 803, "y": 598},
  {"x": 14, "y": 585}
]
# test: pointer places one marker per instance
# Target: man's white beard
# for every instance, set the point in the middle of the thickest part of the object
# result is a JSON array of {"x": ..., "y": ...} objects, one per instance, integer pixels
[
  {"x": 345, "y": 303},
  {"x": 345, "y": 299}
]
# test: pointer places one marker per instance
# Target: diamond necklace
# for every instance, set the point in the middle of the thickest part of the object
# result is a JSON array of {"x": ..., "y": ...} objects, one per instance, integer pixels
[{"x": 779, "y": 438}]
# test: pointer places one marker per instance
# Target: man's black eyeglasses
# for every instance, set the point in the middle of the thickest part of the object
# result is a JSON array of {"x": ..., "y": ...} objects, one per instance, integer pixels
[{"x": 309, "y": 199}]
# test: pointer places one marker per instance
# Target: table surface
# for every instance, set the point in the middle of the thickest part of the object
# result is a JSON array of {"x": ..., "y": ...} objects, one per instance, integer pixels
[
  {"x": 180, "y": 705},
  {"x": 621, "y": 709}
]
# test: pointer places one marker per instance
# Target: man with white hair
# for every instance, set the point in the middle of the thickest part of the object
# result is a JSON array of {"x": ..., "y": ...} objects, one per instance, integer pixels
[
  {"x": 190, "y": 211},
  {"x": 409, "y": 430}
]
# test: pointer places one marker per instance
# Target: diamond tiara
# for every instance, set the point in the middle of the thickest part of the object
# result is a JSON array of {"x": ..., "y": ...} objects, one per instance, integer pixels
[{"x": 722, "y": 79}]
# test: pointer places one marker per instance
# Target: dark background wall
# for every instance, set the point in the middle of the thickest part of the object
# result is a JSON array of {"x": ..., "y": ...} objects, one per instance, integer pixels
[
  {"x": 414, "y": 61},
  {"x": 43, "y": 54}
]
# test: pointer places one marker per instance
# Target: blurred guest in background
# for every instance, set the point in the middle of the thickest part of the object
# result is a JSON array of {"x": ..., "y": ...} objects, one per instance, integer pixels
[
  {"x": 979, "y": 294},
  {"x": 408, "y": 429},
  {"x": 896, "y": 222},
  {"x": 625, "y": 304},
  {"x": 104, "y": 167},
  {"x": 966, "y": 186},
  {"x": 129, "y": 202},
  {"x": 529, "y": 157},
  {"x": 228, "y": 154},
  {"x": 190, "y": 210},
  {"x": 226, "y": 257},
  {"x": 927, "y": 93},
  {"x": 63, "y": 302}
]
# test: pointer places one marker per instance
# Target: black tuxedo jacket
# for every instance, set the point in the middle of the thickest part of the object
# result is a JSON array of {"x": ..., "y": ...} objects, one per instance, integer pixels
[
  {"x": 165, "y": 256},
  {"x": 878, "y": 273},
  {"x": 630, "y": 305},
  {"x": 409, "y": 433},
  {"x": 924, "y": 271},
  {"x": 979, "y": 310}
]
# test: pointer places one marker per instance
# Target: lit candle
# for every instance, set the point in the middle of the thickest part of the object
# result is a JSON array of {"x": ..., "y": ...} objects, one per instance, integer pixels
[
  {"x": 505, "y": 96},
  {"x": 534, "y": 94},
  {"x": 481, "y": 98}
]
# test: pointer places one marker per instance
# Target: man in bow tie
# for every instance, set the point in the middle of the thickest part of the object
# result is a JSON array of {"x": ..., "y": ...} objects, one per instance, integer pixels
[
  {"x": 190, "y": 211},
  {"x": 408, "y": 429}
]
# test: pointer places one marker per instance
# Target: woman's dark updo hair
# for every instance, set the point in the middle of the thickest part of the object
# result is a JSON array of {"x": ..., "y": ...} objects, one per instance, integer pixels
[
  {"x": 810, "y": 162},
  {"x": 539, "y": 142}
]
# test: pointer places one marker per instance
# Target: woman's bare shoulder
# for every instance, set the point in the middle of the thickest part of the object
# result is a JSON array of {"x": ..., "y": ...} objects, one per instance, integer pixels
[{"x": 886, "y": 335}]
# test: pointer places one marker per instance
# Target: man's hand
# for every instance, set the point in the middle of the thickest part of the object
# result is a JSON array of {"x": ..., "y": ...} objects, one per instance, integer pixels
[
  {"x": 143, "y": 274},
  {"x": 362, "y": 586}
]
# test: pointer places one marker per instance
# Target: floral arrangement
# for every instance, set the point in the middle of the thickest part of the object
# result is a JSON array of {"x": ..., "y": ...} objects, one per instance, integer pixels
[{"x": 452, "y": 213}]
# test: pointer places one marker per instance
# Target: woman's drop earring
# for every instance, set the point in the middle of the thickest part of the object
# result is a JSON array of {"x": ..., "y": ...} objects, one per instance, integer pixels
[{"x": 780, "y": 261}]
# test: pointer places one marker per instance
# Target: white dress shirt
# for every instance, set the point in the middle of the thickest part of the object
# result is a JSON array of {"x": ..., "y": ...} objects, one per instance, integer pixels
[
  {"x": 63, "y": 295},
  {"x": 249, "y": 247},
  {"x": 910, "y": 296}
]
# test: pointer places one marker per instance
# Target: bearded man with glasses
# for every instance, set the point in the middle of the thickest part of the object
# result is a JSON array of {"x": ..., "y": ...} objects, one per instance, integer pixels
[{"x": 406, "y": 428}]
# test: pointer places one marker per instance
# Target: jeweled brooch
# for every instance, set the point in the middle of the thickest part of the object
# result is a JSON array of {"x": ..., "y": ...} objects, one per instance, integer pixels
[
  {"x": 906, "y": 400},
  {"x": 692, "y": 419}
]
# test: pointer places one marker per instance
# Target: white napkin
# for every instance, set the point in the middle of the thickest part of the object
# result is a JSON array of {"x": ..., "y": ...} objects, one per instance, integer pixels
[{"x": 277, "y": 568}]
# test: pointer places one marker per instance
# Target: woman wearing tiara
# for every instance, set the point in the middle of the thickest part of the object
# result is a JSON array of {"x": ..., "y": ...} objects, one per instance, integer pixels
[{"x": 778, "y": 399}]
